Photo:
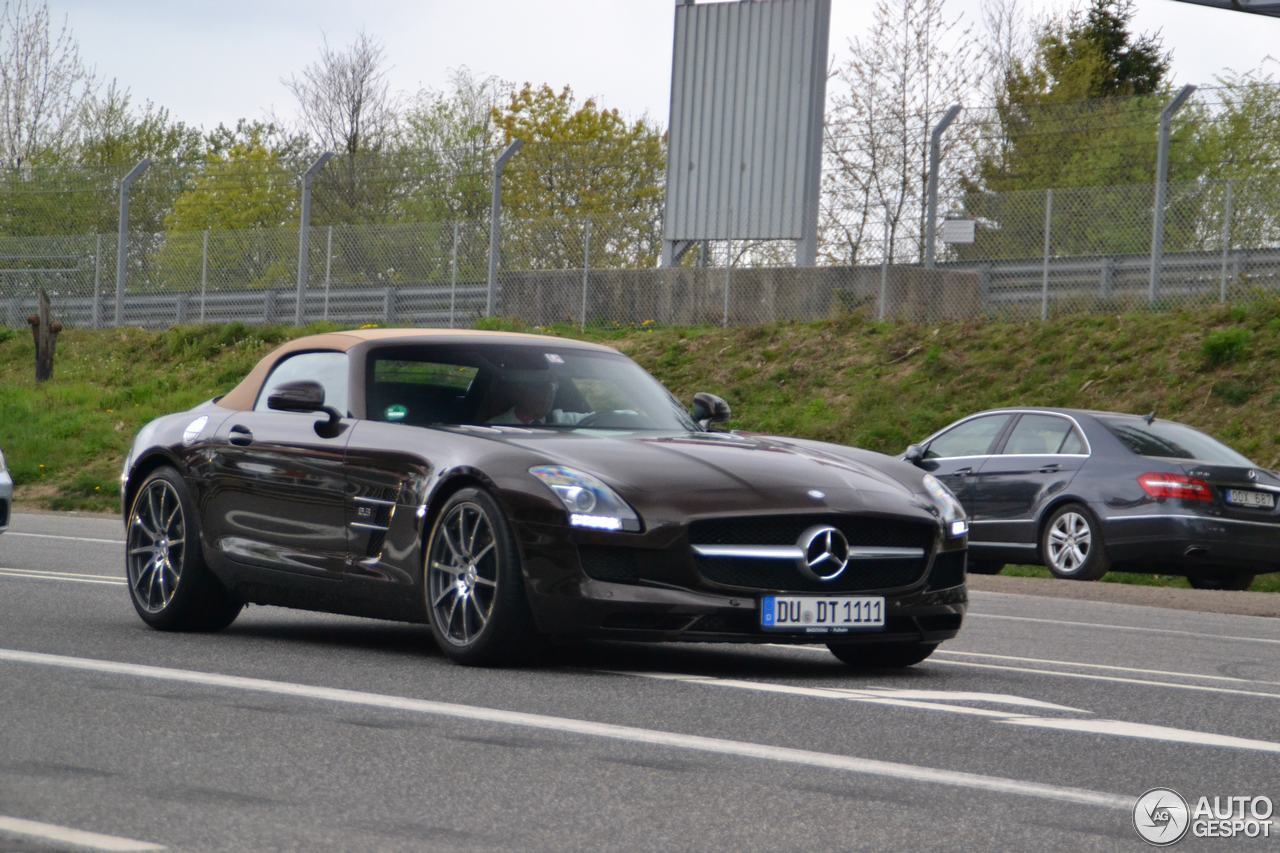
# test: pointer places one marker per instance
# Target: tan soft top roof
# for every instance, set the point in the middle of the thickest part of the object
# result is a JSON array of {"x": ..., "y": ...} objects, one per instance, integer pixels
[{"x": 244, "y": 395}]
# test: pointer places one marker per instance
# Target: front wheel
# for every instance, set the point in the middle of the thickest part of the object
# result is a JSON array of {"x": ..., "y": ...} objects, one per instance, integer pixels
[
  {"x": 170, "y": 585},
  {"x": 1221, "y": 580},
  {"x": 881, "y": 655},
  {"x": 1071, "y": 544},
  {"x": 475, "y": 590}
]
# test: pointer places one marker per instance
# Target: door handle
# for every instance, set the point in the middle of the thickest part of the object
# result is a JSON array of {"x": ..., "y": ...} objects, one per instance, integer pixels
[
  {"x": 241, "y": 436},
  {"x": 1050, "y": 468},
  {"x": 963, "y": 472}
]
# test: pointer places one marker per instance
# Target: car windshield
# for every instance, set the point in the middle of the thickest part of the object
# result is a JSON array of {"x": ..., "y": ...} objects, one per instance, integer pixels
[
  {"x": 1172, "y": 441},
  {"x": 528, "y": 385}
]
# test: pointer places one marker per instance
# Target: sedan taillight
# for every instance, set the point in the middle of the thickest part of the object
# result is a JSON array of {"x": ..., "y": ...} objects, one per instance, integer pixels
[{"x": 1161, "y": 484}]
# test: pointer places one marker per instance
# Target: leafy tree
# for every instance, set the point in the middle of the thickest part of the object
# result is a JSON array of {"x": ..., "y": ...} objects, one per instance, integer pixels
[
  {"x": 1080, "y": 112},
  {"x": 579, "y": 161}
]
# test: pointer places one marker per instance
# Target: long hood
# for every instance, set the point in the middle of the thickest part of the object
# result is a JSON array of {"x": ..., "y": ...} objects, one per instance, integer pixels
[{"x": 721, "y": 473}]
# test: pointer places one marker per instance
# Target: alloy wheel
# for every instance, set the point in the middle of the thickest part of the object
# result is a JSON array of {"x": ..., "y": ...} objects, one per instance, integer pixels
[
  {"x": 462, "y": 573},
  {"x": 1070, "y": 541},
  {"x": 156, "y": 546}
]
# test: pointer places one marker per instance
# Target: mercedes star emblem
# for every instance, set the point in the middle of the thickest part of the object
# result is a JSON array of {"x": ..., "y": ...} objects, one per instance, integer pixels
[{"x": 826, "y": 553}]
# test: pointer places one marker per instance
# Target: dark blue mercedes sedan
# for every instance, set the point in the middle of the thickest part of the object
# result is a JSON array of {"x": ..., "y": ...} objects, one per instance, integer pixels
[{"x": 1085, "y": 492}]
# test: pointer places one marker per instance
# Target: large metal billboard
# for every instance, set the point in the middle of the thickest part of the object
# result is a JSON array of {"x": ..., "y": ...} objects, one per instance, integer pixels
[{"x": 748, "y": 86}]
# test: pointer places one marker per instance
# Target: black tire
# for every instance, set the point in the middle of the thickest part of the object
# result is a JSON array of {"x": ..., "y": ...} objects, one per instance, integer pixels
[
  {"x": 196, "y": 599},
  {"x": 881, "y": 655},
  {"x": 980, "y": 567},
  {"x": 507, "y": 635},
  {"x": 1237, "y": 581},
  {"x": 1081, "y": 528}
]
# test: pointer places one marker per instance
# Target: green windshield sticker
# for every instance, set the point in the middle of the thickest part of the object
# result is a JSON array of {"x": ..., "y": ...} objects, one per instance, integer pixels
[{"x": 396, "y": 412}]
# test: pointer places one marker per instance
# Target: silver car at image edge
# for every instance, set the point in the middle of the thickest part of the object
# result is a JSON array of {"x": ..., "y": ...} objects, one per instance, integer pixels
[{"x": 6, "y": 494}]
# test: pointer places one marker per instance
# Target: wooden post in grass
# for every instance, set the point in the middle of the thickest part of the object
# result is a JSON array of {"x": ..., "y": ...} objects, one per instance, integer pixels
[{"x": 45, "y": 330}]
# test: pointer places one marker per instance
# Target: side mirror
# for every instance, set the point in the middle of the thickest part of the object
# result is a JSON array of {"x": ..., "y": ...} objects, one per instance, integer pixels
[
  {"x": 301, "y": 396},
  {"x": 306, "y": 396},
  {"x": 709, "y": 409},
  {"x": 914, "y": 454}
]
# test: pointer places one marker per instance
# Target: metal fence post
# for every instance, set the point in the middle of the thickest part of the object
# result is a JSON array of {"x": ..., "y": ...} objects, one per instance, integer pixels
[
  {"x": 122, "y": 236},
  {"x": 1226, "y": 241},
  {"x": 1162, "y": 181},
  {"x": 728, "y": 283},
  {"x": 1048, "y": 231},
  {"x": 884, "y": 271},
  {"x": 304, "y": 233},
  {"x": 586, "y": 267},
  {"x": 328, "y": 268},
  {"x": 495, "y": 224},
  {"x": 935, "y": 162},
  {"x": 204, "y": 271},
  {"x": 453, "y": 274},
  {"x": 97, "y": 281}
]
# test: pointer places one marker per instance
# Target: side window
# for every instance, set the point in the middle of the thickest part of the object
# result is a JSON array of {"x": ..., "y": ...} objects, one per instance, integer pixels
[
  {"x": 1037, "y": 435},
  {"x": 327, "y": 368},
  {"x": 971, "y": 438},
  {"x": 1074, "y": 443},
  {"x": 418, "y": 393}
]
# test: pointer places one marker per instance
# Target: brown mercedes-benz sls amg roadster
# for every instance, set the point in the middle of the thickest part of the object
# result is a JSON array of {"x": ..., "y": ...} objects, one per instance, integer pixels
[{"x": 505, "y": 488}]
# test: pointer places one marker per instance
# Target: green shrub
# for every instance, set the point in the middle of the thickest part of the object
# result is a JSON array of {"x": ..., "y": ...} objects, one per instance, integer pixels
[{"x": 1225, "y": 346}]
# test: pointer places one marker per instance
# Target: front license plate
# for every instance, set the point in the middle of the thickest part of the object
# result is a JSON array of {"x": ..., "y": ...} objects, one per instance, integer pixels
[
  {"x": 1245, "y": 497},
  {"x": 828, "y": 614}
]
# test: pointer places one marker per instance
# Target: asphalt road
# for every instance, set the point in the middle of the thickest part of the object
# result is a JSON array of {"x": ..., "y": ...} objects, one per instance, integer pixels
[{"x": 1036, "y": 729}]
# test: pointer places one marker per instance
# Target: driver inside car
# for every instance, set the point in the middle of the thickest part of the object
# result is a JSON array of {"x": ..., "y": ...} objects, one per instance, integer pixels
[{"x": 533, "y": 404}]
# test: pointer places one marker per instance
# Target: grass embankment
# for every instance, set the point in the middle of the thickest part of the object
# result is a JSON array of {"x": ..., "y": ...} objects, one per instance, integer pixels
[{"x": 848, "y": 379}]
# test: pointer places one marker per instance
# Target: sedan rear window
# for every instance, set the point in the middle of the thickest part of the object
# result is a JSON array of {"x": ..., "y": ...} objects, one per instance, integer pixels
[{"x": 1169, "y": 440}]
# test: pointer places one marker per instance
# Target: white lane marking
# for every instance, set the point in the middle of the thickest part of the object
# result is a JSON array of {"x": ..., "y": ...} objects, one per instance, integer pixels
[
  {"x": 1108, "y": 667},
  {"x": 1088, "y": 724},
  {"x": 67, "y": 538},
  {"x": 16, "y": 826},
  {"x": 1093, "y": 676},
  {"x": 1173, "y": 631},
  {"x": 896, "y": 698},
  {"x": 39, "y": 574},
  {"x": 652, "y": 737},
  {"x": 1144, "y": 731},
  {"x": 1085, "y": 675}
]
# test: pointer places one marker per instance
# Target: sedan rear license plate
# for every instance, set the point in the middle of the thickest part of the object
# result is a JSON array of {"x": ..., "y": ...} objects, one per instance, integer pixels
[
  {"x": 829, "y": 614},
  {"x": 1246, "y": 497}
]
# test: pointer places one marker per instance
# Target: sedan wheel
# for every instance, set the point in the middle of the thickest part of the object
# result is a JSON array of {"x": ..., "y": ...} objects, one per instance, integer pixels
[
  {"x": 474, "y": 588},
  {"x": 1071, "y": 544},
  {"x": 881, "y": 655},
  {"x": 169, "y": 583}
]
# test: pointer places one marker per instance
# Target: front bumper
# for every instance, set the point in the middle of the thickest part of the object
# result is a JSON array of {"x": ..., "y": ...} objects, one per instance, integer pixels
[
  {"x": 683, "y": 607},
  {"x": 1178, "y": 542},
  {"x": 6, "y": 499}
]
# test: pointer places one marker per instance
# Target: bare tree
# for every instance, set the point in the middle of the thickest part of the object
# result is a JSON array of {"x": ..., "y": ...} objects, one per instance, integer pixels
[
  {"x": 345, "y": 98},
  {"x": 893, "y": 86},
  {"x": 43, "y": 82}
]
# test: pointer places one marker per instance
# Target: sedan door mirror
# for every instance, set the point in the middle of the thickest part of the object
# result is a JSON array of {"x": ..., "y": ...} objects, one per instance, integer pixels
[
  {"x": 709, "y": 409},
  {"x": 305, "y": 396},
  {"x": 914, "y": 454}
]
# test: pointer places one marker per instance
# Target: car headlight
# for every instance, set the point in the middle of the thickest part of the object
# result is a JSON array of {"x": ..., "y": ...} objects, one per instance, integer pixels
[
  {"x": 2, "y": 468},
  {"x": 590, "y": 503},
  {"x": 954, "y": 520}
]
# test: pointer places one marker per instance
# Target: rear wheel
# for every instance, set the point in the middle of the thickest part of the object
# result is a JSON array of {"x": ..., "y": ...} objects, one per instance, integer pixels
[
  {"x": 474, "y": 586},
  {"x": 881, "y": 655},
  {"x": 1071, "y": 544},
  {"x": 980, "y": 567},
  {"x": 1221, "y": 580},
  {"x": 170, "y": 585}
]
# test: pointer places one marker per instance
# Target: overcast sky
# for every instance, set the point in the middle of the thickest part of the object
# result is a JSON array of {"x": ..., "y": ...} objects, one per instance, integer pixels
[{"x": 215, "y": 62}]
